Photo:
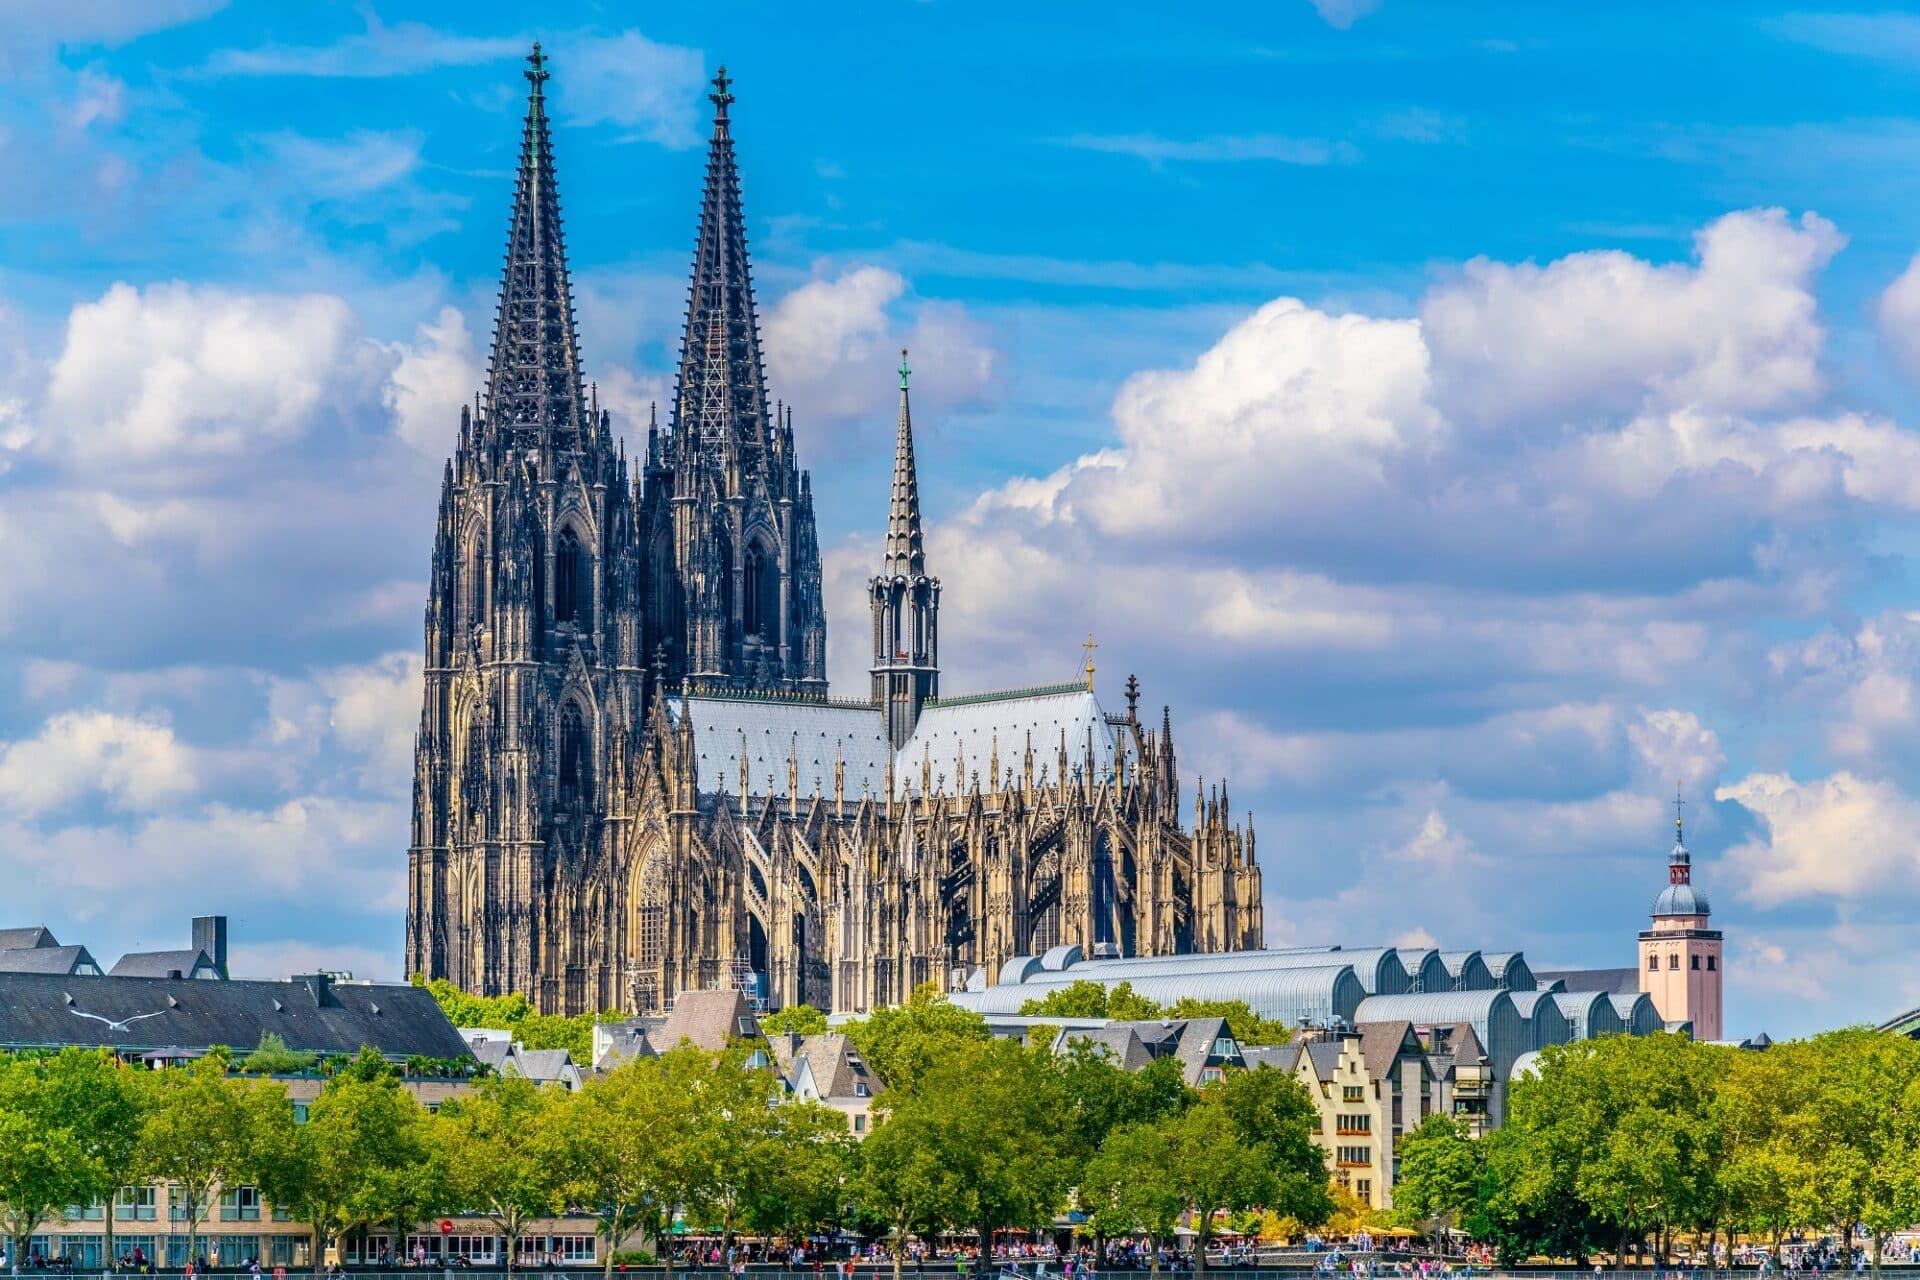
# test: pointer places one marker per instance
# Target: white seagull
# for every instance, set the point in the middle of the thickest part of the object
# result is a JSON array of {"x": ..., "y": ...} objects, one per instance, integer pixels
[{"x": 116, "y": 1026}]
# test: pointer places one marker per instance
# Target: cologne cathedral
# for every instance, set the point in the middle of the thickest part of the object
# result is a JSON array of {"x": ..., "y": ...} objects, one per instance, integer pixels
[{"x": 630, "y": 780}]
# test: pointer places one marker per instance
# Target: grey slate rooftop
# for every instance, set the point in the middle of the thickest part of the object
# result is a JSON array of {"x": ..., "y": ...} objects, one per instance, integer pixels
[{"x": 139, "y": 1015}]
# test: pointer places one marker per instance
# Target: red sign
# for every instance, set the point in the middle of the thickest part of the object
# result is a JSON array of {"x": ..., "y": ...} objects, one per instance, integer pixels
[{"x": 446, "y": 1226}]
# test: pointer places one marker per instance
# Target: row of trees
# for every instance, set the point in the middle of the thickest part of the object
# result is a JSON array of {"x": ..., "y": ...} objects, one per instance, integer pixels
[
  {"x": 1625, "y": 1143},
  {"x": 1088, "y": 999},
  {"x": 976, "y": 1135}
]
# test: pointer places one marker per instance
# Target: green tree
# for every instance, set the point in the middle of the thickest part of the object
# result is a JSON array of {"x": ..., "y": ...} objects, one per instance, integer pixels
[
  {"x": 899, "y": 1178},
  {"x": 1247, "y": 1026},
  {"x": 903, "y": 1042},
  {"x": 1222, "y": 1165},
  {"x": 1858, "y": 1126},
  {"x": 608, "y": 1139},
  {"x": 200, "y": 1131},
  {"x": 1133, "y": 1184},
  {"x": 1272, "y": 1112},
  {"x": 805, "y": 1188},
  {"x": 515, "y": 1013},
  {"x": 102, "y": 1103},
  {"x": 741, "y": 1126},
  {"x": 1439, "y": 1178},
  {"x": 494, "y": 1154},
  {"x": 334, "y": 1171},
  {"x": 1102, "y": 1096},
  {"x": 1085, "y": 998},
  {"x": 45, "y": 1161},
  {"x": 795, "y": 1019},
  {"x": 271, "y": 1057}
]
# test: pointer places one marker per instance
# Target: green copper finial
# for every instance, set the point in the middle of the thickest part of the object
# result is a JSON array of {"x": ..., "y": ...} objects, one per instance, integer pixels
[
  {"x": 537, "y": 67},
  {"x": 904, "y": 371}
]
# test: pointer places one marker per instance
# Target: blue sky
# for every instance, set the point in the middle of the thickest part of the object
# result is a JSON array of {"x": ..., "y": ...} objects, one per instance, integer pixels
[{"x": 1473, "y": 419}]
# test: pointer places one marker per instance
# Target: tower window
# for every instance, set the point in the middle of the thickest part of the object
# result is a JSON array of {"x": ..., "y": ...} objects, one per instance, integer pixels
[
  {"x": 1696, "y": 962},
  {"x": 572, "y": 580},
  {"x": 762, "y": 596},
  {"x": 1710, "y": 964},
  {"x": 1673, "y": 961},
  {"x": 576, "y": 774},
  {"x": 1653, "y": 964}
]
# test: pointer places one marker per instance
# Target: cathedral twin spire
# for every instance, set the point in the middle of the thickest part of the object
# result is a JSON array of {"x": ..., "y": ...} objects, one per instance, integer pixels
[
  {"x": 533, "y": 378},
  {"x": 722, "y": 391}
]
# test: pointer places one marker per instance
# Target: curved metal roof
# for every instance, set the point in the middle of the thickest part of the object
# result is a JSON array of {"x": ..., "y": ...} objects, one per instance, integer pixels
[
  {"x": 1315, "y": 994},
  {"x": 1510, "y": 970},
  {"x": 1546, "y": 1024},
  {"x": 1468, "y": 970},
  {"x": 1425, "y": 970},
  {"x": 1589, "y": 1013},
  {"x": 1378, "y": 968},
  {"x": 1681, "y": 900},
  {"x": 1637, "y": 1013}
]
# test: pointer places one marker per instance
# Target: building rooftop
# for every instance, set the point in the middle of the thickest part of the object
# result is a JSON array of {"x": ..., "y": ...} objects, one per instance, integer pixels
[{"x": 311, "y": 1013}]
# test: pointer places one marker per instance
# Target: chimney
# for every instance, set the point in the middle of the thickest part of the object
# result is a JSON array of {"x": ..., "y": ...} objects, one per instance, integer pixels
[
  {"x": 320, "y": 985},
  {"x": 210, "y": 938}
]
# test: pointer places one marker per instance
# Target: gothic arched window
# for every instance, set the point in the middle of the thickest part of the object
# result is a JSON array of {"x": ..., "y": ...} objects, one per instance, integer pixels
[
  {"x": 576, "y": 769},
  {"x": 572, "y": 580},
  {"x": 473, "y": 583},
  {"x": 762, "y": 595}
]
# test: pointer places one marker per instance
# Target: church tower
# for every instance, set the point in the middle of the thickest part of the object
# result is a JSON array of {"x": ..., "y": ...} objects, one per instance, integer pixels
[
  {"x": 904, "y": 600},
  {"x": 1680, "y": 954},
  {"x": 732, "y": 564},
  {"x": 534, "y": 659}
]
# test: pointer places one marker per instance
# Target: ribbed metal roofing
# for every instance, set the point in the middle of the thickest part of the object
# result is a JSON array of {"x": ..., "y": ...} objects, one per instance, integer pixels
[
  {"x": 1546, "y": 1024},
  {"x": 1637, "y": 1013},
  {"x": 1468, "y": 970},
  {"x": 1681, "y": 900},
  {"x": 1424, "y": 969},
  {"x": 1291, "y": 994},
  {"x": 954, "y": 740},
  {"x": 1589, "y": 1013},
  {"x": 1378, "y": 968},
  {"x": 1509, "y": 970}
]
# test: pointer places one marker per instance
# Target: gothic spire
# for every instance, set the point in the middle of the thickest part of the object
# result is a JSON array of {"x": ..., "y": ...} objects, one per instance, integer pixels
[
  {"x": 722, "y": 393},
  {"x": 906, "y": 557},
  {"x": 533, "y": 380}
]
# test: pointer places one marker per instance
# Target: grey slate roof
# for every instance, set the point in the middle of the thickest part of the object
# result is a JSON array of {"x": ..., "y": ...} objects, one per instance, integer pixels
[
  {"x": 159, "y": 964},
  {"x": 43, "y": 1010},
  {"x": 837, "y": 1066},
  {"x": 492, "y": 1052},
  {"x": 33, "y": 935},
  {"x": 710, "y": 1019},
  {"x": 69, "y": 959},
  {"x": 1504, "y": 1031},
  {"x": 543, "y": 1066},
  {"x": 1613, "y": 981},
  {"x": 1283, "y": 1057},
  {"x": 955, "y": 736},
  {"x": 1325, "y": 1057}
]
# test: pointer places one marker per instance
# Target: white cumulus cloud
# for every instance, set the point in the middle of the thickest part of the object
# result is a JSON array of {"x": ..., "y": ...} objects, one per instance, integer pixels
[
  {"x": 136, "y": 763},
  {"x": 1605, "y": 332},
  {"x": 173, "y": 374},
  {"x": 1843, "y": 836}
]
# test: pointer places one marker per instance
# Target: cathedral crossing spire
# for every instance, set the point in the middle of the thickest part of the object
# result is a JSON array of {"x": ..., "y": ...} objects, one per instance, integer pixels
[
  {"x": 906, "y": 556},
  {"x": 533, "y": 379}
]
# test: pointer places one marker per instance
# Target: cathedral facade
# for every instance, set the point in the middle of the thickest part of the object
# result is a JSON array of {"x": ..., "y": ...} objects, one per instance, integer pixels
[{"x": 630, "y": 779}]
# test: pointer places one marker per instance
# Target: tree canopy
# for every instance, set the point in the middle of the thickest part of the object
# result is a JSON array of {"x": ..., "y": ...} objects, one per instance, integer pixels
[{"x": 1085, "y": 998}]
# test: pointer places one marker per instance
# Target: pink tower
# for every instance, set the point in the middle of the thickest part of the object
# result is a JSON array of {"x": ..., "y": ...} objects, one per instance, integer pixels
[{"x": 1680, "y": 954}]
